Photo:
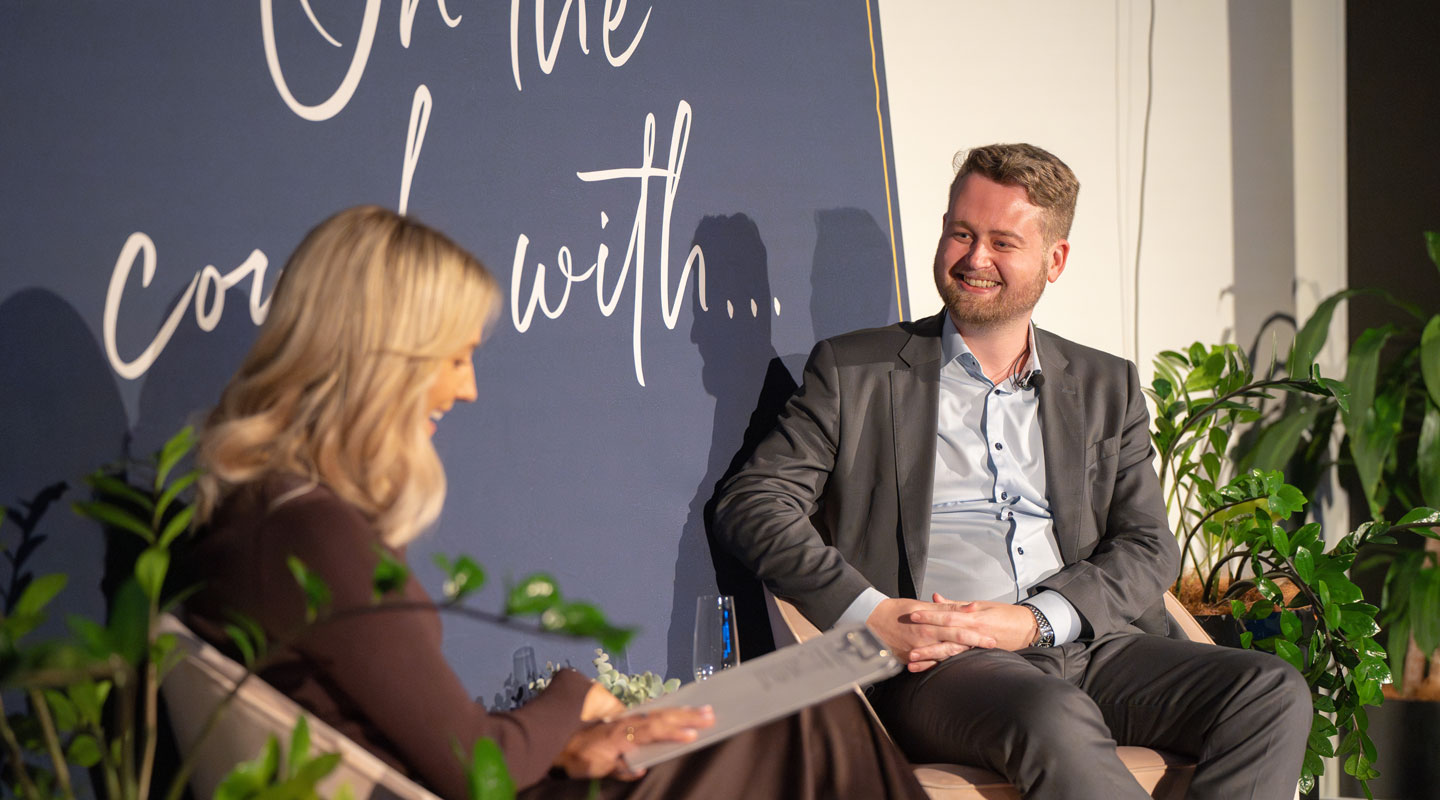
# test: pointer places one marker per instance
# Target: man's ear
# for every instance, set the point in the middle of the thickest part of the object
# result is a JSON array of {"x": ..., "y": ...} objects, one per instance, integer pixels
[{"x": 1055, "y": 264}]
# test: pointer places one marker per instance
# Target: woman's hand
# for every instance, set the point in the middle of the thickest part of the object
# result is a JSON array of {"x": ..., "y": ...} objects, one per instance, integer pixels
[
  {"x": 595, "y": 750},
  {"x": 600, "y": 704}
]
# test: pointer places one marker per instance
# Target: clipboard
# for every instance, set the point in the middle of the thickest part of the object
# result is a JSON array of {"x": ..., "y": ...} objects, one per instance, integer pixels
[{"x": 773, "y": 686}]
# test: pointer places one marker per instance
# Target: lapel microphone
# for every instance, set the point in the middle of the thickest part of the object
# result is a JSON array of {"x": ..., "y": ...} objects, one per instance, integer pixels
[{"x": 1033, "y": 379}]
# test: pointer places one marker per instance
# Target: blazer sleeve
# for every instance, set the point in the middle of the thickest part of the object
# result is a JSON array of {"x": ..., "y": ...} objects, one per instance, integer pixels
[
  {"x": 391, "y": 664},
  {"x": 764, "y": 512},
  {"x": 1136, "y": 557}
]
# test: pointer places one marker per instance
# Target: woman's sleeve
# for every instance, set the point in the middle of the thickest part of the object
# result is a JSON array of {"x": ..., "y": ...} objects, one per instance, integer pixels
[{"x": 391, "y": 664}]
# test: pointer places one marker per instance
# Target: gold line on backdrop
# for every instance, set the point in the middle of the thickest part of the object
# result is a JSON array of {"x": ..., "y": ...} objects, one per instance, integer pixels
[{"x": 884, "y": 161}]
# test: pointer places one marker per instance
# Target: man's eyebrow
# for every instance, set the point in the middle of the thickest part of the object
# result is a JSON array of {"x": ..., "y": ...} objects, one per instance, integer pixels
[{"x": 1005, "y": 232}]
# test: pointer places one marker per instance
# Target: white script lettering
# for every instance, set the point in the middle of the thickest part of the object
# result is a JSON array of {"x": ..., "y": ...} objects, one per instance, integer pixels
[
  {"x": 670, "y": 302},
  {"x": 414, "y": 140},
  {"x": 545, "y": 55},
  {"x": 202, "y": 284}
]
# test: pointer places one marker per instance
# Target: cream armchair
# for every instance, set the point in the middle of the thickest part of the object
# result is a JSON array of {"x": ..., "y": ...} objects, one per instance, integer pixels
[
  {"x": 1164, "y": 775},
  {"x": 206, "y": 676}
]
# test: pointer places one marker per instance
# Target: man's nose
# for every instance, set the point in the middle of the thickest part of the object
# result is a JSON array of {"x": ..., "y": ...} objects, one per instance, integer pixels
[{"x": 977, "y": 255}]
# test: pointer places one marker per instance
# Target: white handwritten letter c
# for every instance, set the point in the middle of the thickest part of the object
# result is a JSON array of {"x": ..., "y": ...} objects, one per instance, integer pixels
[
  {"x": 138, "y": 244},
  {"x": 337, "y": 101}
]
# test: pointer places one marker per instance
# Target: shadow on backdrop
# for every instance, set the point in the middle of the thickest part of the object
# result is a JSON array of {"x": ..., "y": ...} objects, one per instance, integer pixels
[
  {"x": 739, "y": 364},
  {"x": 63, "y": 418},
  {"x": 852, "y": 277},
  {"x": 852, "y": 286},
  {"x": 185, "y": 381}
]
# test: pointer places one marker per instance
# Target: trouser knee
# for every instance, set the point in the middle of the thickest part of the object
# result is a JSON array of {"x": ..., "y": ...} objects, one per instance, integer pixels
[{"x": 1272, "y": 692}]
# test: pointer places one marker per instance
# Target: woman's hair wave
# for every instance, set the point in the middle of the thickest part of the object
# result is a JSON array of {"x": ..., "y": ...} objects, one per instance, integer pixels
[{"x": 333, "y": 389}]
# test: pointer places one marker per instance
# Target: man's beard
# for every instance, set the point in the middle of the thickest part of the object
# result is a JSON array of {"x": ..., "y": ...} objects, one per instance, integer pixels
[{"x": 1014, "y": 301}]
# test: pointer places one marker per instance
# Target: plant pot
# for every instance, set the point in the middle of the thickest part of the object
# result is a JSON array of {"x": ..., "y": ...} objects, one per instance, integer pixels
[
  {"x": 1405, "y": 733},
  {"x": 1226, "y": 630}
]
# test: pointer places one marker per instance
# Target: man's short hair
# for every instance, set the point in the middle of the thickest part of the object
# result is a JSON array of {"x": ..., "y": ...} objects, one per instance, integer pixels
[{"x": 1047, "y": 181}]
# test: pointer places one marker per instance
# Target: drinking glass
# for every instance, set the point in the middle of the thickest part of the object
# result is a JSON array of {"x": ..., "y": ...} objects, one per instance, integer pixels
[{"x": 717, "y": 644}]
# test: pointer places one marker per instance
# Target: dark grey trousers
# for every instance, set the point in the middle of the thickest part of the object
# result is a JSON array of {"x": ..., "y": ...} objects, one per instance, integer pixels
[{"x": 1049, "y": 719}]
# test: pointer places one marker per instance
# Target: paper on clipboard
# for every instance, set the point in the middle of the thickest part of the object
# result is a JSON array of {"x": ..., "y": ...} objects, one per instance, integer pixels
[{"x": 772, "y": 686}]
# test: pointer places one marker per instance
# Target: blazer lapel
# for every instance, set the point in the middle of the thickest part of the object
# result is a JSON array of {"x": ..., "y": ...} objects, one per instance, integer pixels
[
  {"x": 1062, "y": 430},
  {"x": 914, "y": 409}
]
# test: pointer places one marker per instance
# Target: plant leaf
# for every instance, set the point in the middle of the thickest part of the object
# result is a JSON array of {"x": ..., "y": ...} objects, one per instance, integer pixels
[
  {"x": 89, "y": 697},
  {"x": 150, "y": 569},
  {"x": 1423, "y": 516},
  {"x": 1424, "y": 619},
  {"x": 173, "y": 490},
  {"x": 129, "y": 627},
  {"x": 39, "y": 593},
  {"x": 62, "y": 710},
  {"x": 1207, "y": 374},
  {"x": 1211, "y": 463},
  {"x": 171, "y": 452},
  {"x": 1290, "y": 625},
  {"x": 1279, "y": 540},
  {"x": 299, "y": 747},
  {"x": 1276, "y": 443},
  {"x": 1304, "y": 564},
  {"x": 115, "y": 517},
  {"x": 315, "y": 769},
  {"x": 486, "y": 774},
  {"x": 1339, "y": 391},
  {"x": 83, "y": 751},
  {"x": 463, "y": 576},
  {"x": 533, "y": 595},
  {"x": 1369, "y": 437},
  {"x": 1313, "y": 333},
  {"x": 1427, "y": 455},
  {"x": 113, "y": 486},
  {"x": 390, "y": 575},
  {"x": 250, "y": 777},
  {"x": 1288, "y": 651},
  {"x": 177, "y": 525},
  {"x": 317, "y": 593},
  {"x": 241, "y": 638}
]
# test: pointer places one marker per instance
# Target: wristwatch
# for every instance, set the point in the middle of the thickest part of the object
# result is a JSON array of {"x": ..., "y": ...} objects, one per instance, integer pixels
[{"x": 1046, "y": 635}]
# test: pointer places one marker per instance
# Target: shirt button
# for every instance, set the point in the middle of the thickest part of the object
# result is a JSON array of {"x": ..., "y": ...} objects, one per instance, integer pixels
[
  {"x": 999, "y": 446},
  {"x": 1004, "y": 496},
  {"x": 1020, "y": 550}
]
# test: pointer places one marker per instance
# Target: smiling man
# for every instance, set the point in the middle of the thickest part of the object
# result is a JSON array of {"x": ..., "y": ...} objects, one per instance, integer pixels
[{"x": 981, "y": 493}]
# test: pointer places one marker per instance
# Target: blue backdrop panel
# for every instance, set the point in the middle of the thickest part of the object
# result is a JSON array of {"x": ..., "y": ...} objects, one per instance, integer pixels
[{"x": 161, "y": 161}]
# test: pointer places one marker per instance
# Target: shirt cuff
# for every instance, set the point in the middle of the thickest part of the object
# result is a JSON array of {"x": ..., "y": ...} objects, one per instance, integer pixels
[
  {"x": 860, "y": 610},
  {"x": 1063, "y": 617}
]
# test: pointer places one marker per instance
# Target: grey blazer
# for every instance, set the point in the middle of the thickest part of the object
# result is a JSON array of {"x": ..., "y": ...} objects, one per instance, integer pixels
[{"x": 837, "y": 497}]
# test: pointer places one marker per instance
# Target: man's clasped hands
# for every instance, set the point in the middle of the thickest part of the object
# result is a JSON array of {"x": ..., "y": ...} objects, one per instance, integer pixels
[{"x": 923, "y": 634}]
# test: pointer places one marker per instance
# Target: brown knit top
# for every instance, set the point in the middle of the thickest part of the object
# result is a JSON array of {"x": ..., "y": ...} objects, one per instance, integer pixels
[{"x": 379, "y": 677}]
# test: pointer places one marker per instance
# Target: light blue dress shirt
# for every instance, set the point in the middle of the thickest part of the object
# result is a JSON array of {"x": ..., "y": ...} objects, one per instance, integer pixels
[{"x": 991, "y": 533}]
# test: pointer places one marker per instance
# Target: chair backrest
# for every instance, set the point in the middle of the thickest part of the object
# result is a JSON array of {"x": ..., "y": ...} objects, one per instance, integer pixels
[
  {"x": 787, "y": 624},
  {"x": 206, "y": 676},
  {"x": 1182, "y": 617}
]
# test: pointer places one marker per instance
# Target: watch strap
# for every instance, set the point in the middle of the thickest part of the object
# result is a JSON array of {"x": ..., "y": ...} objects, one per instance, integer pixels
[{"x": 1045, "y": 637}]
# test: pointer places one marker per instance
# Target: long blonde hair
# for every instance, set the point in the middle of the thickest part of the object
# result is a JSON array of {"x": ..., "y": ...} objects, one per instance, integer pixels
[{"x": 333, "y": 390}]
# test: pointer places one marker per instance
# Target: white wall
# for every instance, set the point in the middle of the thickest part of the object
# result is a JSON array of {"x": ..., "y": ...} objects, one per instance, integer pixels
[{"x": 1071, "y": 77}]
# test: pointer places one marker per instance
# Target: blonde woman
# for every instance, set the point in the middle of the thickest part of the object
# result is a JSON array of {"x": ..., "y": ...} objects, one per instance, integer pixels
[{"x": 320, "y": 448}]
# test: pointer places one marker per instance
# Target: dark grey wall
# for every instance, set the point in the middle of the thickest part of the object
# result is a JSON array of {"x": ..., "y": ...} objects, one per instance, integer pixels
[{"x": 1393, "y": 152}]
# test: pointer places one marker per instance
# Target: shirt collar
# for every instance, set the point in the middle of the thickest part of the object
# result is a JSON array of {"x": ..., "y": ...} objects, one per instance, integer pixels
[{"x": 952, "y": 346}]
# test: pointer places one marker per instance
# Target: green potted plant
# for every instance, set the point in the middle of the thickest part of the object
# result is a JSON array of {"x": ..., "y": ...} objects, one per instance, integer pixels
[
  {"x": 1248, "y": 559},
  {"x": 91, "y": 701},
  {"x": 1389, "y": 457}
]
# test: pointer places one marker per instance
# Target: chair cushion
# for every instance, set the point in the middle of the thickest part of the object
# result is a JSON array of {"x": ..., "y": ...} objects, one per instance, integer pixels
[{"x": 1164, "y": 775}]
